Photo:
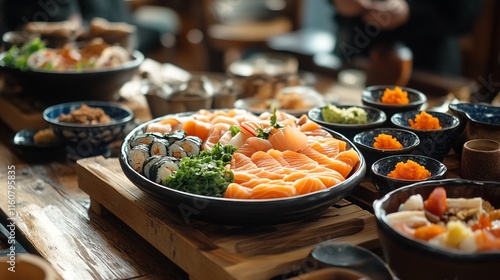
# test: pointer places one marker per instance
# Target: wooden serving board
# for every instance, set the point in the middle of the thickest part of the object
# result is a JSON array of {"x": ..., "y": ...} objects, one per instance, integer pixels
[{"x": 209, "y": 251}]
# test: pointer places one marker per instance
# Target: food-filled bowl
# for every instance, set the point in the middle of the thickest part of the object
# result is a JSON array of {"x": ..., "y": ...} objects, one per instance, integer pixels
[
  {"x": 453, "y": 251},
  {"x": 347, "y": 120},
  {"x": 88, "y": 127},
  {"x": 216, "y": 206},
  {"x": 55, "y": 86}
]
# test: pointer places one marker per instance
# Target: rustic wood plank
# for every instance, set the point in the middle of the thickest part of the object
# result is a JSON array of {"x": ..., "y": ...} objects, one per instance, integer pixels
[{"x": 221, "y": 252}]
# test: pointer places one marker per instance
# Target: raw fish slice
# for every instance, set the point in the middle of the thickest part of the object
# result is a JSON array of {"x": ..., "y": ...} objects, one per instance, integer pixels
[
  {"x": 255, "y": 181},
  {"x": 215, "y": 134},
  {"x": 234, "y": 190},
  {"x": 278, "y": 155},
  {"x": 270, "y": 190},
  {"x": 310, "y": 126},
  {"x": 292, "y": 177},
  {"x": 350, "y": 157},
  {"x": 299, "y": 161},
  {"x": 327, "y": 179},
  {"x": 262, "y": 173},
  {"x": 242, "y": 162},
  {"x": 254, "y": 144},
  {"x": 242, "y": 177},
  {"x": 267, "y": 162},
  {"x": 343, "y": 168},
  {"x": 288, "y": 138},
  {"x": 308, "y": 185}
]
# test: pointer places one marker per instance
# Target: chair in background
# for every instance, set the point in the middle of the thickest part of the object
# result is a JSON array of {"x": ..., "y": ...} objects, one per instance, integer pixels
[{"x": 231, "y": 28}]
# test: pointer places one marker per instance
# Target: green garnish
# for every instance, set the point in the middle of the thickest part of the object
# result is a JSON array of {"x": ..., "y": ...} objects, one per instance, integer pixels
[
  {"x": 205, "y": 174},
  {"x": 266, "y": 132},
  {"x": 18, "y": 57},
  {"x": 234, "y": 130}
]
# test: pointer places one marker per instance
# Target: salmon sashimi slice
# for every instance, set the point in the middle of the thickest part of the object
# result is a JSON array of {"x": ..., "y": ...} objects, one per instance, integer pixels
[
  {"x": 242, "y": 162},
  {"x": 292, "y": 177},
  {"x": 255, "y": 181},
  {"x": 307, "y": 185},
  {"x": 332, "y": 146},
  {"x": 350, "y": 157},
  {"x": 254, "y": 144},
  {"x": 343, "y": 168},
  {"x": 262, "y": 173},
  {"x": 278, "y": 155},
  {"x": 234, "y": 190},
  {"x": 310, "y": 126},
  {"x": 215, "y": 134},
  {"x": 265, "y": 191},
  {"x": 299, "y": 161},
  {"x": 327, "y": 179},
  {"x": 266, "y": 161},
  {"x": 242, "y": 177}
]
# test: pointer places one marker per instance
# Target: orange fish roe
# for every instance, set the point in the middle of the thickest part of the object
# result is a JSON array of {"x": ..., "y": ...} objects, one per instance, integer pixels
[
  {"x": 425, "y": 121},
  {"x": 395, "y": 96},
  {"x": 409, "y": 171},
  {"x": 386, "y": 142}
]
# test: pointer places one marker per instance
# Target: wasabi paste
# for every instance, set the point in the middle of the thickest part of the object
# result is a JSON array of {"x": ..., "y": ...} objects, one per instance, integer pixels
[{"x": 350, "y": 115}]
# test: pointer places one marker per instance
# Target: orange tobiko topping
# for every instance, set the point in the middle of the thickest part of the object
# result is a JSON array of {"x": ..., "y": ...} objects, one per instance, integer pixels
[
  {"x": 410, "y": 170},
  {"x": 386, "y": 142},
  {"x": 395, "y": 96},
  {"x": 425, "y": 121}
]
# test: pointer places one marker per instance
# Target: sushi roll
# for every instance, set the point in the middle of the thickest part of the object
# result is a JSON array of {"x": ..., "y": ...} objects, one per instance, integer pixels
[
  {"x": 159, "y": 147},
  {"x": 191, "y": 145},
  {"x": 175, "y": 136},
  {"x": 163, "y": 169},
  {"x": 176, "y": 151},
  {"x": 149, "y": 163},
  {"x": 146, "y": 139},
  {"x": 137, "y": 155}
]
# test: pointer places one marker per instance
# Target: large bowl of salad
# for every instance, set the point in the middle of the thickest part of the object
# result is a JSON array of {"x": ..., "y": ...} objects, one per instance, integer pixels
[
  {"x": 236, "y": 168},
  {"x": 441, "y": 229},
  {"x": 90, "y": 70}
]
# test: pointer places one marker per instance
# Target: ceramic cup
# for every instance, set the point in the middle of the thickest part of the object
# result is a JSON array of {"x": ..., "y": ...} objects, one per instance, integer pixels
[
  {"x": 481, "y": 160},
  {"x": 26, "y": 266}
]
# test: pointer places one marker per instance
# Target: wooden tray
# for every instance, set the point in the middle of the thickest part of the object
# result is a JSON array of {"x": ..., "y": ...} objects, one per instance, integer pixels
[{"x": 208, "y": 251}]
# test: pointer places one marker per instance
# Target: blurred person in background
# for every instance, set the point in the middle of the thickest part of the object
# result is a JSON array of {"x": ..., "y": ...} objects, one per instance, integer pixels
[{"x": 430, "y": 29}]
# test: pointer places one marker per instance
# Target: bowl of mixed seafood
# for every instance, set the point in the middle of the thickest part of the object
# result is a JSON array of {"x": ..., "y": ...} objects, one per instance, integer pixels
[
  {"x": 91, "y": 70},
  {"x": 237, "y": 168},
  {"x": 441, "y": 229}
]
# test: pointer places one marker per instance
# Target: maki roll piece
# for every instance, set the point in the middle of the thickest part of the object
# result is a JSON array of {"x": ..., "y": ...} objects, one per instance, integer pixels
[
  {"x": 145, "y": 139},
  {"x": 148, "y": 164},
  {"x": 175, "y": 136},
  {"x": 163, "y": 169},
  {"x": 159, "y": 147},
  {"x": 137, "y": 155},
  {"x": 191, "y": 145},
  {"x": 176, "y": 151}
]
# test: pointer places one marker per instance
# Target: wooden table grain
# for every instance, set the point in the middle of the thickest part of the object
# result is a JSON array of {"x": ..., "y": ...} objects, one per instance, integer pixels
[{"x": 53, "y": 220}]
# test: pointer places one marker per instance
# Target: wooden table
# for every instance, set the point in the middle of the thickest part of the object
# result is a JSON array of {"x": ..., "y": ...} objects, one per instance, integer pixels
[{"x": 55, "y": 221}]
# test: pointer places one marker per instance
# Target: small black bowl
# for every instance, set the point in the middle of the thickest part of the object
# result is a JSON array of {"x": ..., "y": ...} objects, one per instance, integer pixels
[
  {"x": 435, "y": 143},
  {"x": 364, "y": 141},
  {"x": 375, "y": 118},
  {"x": 382, "y": 167},
  {"x": 372, "y": 95}
]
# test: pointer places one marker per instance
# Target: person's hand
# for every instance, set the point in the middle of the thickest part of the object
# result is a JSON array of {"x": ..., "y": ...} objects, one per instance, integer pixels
[
  {"x": 351, "y": 8},
  {"x": 388, "y": 14}
]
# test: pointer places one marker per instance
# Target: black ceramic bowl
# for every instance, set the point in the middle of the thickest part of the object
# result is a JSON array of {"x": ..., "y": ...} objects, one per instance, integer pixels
[
  {"x": 376, "y": 118},
  {"x": 89, "y": 140},
  {"x": 364, "y": 141},
  {"x": 434, "y": 143},
  {"x": 477, "y": 121},
  {"x": 382, "y": 167},
  {"x": 411, "y": 259},
  {"x": 65, "y": 86},
  {"x": 372, "y": 95},
  {"x": 240, "y": 211}
]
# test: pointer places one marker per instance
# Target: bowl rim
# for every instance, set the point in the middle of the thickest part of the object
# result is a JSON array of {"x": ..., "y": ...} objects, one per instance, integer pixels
[
  {"x": 136, "y": 60},
  {"x": 382, "y": 221},
  {"x": 454, "y": 107},
  {"x": 357, "y": 137},
  {"x": 382, "y": 117},
  {"x": 366, "y": 96},
  {"x": 441, "y": 171},
  {"x": 100, "y": 104},
  {"x": 455, "y": 124}
]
